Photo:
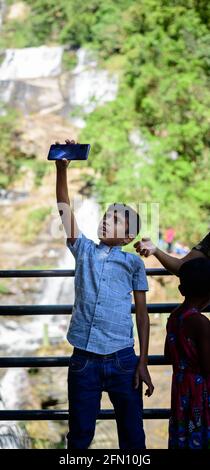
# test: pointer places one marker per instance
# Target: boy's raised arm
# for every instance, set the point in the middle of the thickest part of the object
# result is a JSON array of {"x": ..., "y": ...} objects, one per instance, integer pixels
[{"x": 67, "y": 216}]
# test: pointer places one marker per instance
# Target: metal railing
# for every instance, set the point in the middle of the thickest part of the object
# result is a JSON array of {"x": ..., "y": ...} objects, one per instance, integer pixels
[{"x": 63, "y": 361}]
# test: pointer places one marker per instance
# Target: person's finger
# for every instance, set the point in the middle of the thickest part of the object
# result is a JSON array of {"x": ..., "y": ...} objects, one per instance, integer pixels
[
  {"x": 146, "y": 251},
  {"x": 72, "y": 142},
  {"x": 136, "y": 244},
  {"x": 57, "y": 143},
  {"x": 142, "y": 245}
]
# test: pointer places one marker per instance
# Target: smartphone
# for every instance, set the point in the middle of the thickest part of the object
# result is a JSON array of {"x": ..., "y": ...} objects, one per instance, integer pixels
[{"x": 69, "y": 151}]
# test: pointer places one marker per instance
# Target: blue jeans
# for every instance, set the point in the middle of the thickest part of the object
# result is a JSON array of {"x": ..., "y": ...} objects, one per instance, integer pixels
[{"x": 90, "y": 374}]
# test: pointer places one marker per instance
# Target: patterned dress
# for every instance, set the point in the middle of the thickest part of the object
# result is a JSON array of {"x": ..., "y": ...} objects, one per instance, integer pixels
[{"x": 189, "y": 424}]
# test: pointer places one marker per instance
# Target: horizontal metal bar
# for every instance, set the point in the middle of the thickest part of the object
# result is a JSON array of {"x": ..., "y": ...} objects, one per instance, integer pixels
[
  {"x": 37, "y": 273},
  {"x": 62, "y": 415},
  {"x": 67, "y": 309},
  {"x": 59, "y": 361},
  {"x": 16, "y": 310},
  {"x": 65, "y": 272}
]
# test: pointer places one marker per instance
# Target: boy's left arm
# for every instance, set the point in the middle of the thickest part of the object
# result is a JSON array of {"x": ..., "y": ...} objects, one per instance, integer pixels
[{"x": 142, "y": 322}]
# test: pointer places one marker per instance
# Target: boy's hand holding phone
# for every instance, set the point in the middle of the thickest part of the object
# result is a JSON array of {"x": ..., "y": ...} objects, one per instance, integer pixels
[
  {"x": 63, "y": 163},
  {"x": 68, "y": 151}
]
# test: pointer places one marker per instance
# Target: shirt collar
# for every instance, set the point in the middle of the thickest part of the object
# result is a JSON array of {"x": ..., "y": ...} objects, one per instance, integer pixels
[{"x": 107, "y": 248}]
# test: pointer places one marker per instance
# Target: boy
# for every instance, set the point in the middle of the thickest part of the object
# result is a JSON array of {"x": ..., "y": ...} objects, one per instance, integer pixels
[{"x": 101, "y": 328}]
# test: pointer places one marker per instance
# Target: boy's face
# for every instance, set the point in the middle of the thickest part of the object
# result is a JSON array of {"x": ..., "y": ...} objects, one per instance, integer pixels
[{"x": 112, "y": 229}]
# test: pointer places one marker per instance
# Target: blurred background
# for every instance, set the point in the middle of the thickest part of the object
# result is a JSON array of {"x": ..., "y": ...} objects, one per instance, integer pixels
[{"x": 131, "y": 78}]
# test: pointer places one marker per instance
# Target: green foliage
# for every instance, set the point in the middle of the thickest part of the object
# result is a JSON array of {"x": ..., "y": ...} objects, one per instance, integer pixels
[
  {"x": 33, "y": 223},
  {"x": 69, "y": 22},
  {"x": 40, "y": 170},
  {"x": 165, "y": 78},
  {"x": 4, "y": 289},
  {"x": 10, "y": 155},
  {"x": 161, "y": 48},
  {"x": 69, "y": 60},
  {"x": 38, "y": 215}
]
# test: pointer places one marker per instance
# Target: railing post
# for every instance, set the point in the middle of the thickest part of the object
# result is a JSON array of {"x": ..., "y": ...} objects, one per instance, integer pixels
[{"x": 45, "y": 341}]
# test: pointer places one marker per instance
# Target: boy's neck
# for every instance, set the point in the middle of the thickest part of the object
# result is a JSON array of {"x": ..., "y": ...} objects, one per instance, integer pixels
[{"x": 110, "y": 245}]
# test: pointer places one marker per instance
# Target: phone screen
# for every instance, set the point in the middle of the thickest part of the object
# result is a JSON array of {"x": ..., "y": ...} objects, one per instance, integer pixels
[{"x": 69, "y": 151}]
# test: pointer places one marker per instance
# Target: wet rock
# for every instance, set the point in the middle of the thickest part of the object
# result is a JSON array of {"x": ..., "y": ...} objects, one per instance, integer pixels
[
  {"x": 16, "y": 391},
  {"x": 31, "y": 62},
  {"x": 32, "y": 79},
  {"x": 90, "y": 86}
]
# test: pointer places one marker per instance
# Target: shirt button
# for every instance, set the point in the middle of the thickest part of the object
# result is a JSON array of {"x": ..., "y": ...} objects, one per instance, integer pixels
[
  {"x": 104, "y": 279},
  {"x": 98, "y": 303}
]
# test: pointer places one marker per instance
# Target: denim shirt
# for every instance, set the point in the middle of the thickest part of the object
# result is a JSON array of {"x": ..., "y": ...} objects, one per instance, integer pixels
[{"x": 105, "y": 277}]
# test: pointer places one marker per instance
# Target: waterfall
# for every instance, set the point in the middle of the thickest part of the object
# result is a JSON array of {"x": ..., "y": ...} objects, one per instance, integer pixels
[
  {"x": 22, "y": 339},
  {"x": 32, "y": 80},
  {"x": 13, "y": 390}
]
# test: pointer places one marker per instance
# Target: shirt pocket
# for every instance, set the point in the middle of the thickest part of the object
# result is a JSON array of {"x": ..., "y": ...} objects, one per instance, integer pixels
[{"x": 120, "y": 286}]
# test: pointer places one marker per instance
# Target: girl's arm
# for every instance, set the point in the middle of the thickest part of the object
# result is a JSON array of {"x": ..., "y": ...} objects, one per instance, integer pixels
[
  {"x": 147, "y": 248},
  {"x": 166, "y": 350},
  {"x": 203, "y": 343}
]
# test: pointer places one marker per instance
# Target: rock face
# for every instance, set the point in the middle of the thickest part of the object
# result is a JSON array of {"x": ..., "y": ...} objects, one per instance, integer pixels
[
  {"x": 91, "y": 86},
  {"x": 29, "y": 79},
  {"x": 31, "y": 62},
  {"x": 32, "y": 80}
]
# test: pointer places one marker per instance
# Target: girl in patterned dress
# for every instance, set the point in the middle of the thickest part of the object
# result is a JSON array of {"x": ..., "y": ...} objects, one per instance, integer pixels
[{"x": 187, "y": 346}]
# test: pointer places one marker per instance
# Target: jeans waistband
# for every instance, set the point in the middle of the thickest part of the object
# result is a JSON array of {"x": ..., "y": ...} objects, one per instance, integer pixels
[{"x": 83, "y": 352}]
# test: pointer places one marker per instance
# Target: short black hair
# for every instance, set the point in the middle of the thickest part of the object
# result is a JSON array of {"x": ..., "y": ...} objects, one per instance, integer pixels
[
  {"x": 131, "y": 215},
  {"x": 194, "y": 277}
]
